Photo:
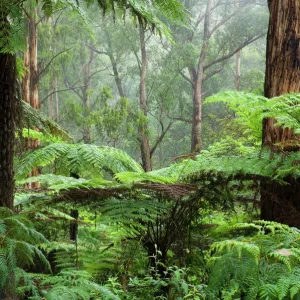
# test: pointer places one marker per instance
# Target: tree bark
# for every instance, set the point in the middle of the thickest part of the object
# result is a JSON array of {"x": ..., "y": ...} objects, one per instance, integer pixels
[
  {"x": 282, "y": 202},
  {"x": 8, "y": 116},
  {"x": 143, "y": 127},
  {"x": 7, "y": 128},
  {"x": 197, "y": 78},
  {"x": 31, "y": 78}
]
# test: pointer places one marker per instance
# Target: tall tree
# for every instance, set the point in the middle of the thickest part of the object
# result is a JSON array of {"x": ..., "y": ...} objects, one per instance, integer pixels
[
  {"x": 282, "y": 202},
  {"x": 214, "y": 19},
  {"x": 8, "y": 103}
]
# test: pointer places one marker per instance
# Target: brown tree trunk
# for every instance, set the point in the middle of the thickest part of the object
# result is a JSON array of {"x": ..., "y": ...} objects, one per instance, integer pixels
[
  {"x": 198, "y": 78},
  {"x": 282, "y": 202},
  {"x": 7, "y": 128},
  {"x": 31, "y": 78},
  {"x": 143, "y": 127}
]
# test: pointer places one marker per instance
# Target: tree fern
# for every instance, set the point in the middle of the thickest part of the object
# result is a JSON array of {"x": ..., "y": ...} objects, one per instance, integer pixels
[{"x": 77, "y": 159}]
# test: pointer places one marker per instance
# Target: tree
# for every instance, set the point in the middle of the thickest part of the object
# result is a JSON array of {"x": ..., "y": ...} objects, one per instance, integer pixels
[
  {"x": 218, "y": 22},
  {"x": 281, "y": 202}
]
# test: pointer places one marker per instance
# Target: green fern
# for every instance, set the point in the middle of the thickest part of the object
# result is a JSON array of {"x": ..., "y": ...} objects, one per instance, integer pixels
[{"x": 69, "y": 158}]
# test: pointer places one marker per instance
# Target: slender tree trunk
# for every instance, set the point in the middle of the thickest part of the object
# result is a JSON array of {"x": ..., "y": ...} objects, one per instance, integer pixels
[
  {"x": 33, "y": 65},
  {"x": 282, "y": 202},
  {"x": 237, "y": 73},
  {"x": 56, "y": 101},
  {"x": 31, "y": 78},
  {"x": 86, "y": 98},
  {"x": 197, "y": 113},
  {"x": 198, "y": 78},
  {"x": 114, "y": 65},
  {"x": 143, "y": 127}
]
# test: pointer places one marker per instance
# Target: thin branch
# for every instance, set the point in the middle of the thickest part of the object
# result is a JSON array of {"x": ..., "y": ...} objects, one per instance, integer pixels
[
  {"x": 51, "y": 60},
  {"x": 214, "y": 72},
  {"x": 58, "y": 91},
  {"x": 186, "y": 78},
  {"x": 223, "y": 21},
  {"x": 160, "y": 138},
  {"x": 227, "y": 56},
  {"x": 98, "y": 51}
]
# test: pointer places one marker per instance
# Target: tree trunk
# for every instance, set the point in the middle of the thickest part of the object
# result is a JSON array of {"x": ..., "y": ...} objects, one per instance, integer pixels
[
  {"x": 7, "y": 128},
  {"x": 86, "y": 98},
  {"x": 282, "y": 202},
  {"x": 237, "y": 74},
  {"x": 198, "y": 78},
  {"x": 143, "y": 126},
  {"x": 197, "y": 114},
  {"x": 114, "y": 65},
  {"x": 31, "y": 78}
]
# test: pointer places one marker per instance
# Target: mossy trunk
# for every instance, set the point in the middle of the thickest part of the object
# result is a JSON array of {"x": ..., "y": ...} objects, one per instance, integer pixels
[{"x": 282, "y": 202}]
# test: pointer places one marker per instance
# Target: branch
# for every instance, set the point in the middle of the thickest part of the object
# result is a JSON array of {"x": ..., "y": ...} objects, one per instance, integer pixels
[
  {"x": 58, "y": 91},
  {"x": 186, "y": 78},
  {"x": 160, "y": 138},
  {"x": 246, "y": 43},
  {"x": 222, "y": 22},
  {"x": 98, "y": 51},
  {"x": 211, "y": 74},
  {"x": 51, "y": 60},
  {"x": 178, "y": 118}
]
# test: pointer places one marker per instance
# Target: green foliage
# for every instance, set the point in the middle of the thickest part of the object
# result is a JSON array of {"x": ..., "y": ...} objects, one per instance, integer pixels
[
  {"x": 18, "y": 240},
  {"x": 33, "y": 119},
  {"x": 75, "y": 285},
  {"x": 78, "y": 159},
  {"x": 262, "y": 263},
  {"x": 11, "y": 27},
  {"x": 252, "y": 108}
]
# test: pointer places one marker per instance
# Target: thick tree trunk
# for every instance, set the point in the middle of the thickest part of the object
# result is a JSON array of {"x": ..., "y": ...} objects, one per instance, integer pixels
[
  {"x": 282, "y": 202},
  {"x": 143, "y": 127},
  {"x": 7, "y": 128}
]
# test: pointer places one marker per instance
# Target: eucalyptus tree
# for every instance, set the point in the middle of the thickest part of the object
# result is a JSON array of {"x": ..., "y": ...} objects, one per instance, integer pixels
[
  {"x": 282, "y": 202},
  {"x": 10, "y": 31},
  {"x": 226, "y": 29}
]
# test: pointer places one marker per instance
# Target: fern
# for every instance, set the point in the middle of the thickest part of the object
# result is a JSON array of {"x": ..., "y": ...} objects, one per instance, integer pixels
[
  {"x": 77, "y": 159},
  {"x": 17, "y": 249},
  {"x": 257, "y": 263},
  {"x": 251, "y": 109}
]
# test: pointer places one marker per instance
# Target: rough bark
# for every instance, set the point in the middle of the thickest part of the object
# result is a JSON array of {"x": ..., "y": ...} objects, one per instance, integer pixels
[
  {"x": 282, "y": 202},
  {"x": 143, "y": 127},
  {"x": 7, "y": 128}
]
